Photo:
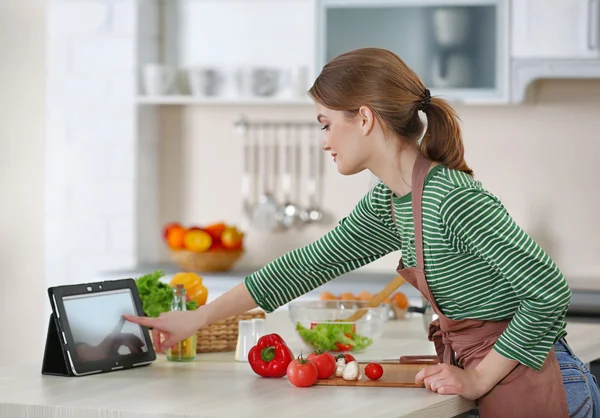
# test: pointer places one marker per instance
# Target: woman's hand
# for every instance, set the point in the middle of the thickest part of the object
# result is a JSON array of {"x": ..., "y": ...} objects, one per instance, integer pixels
[
  {"x": 174, "y": 326},
  {"x": 470, "y": 384},
  {"x": 451, "y": 380}
]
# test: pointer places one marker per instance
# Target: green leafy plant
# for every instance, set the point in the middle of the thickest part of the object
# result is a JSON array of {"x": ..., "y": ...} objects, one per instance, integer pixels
[{"x": 156, "y": 296}]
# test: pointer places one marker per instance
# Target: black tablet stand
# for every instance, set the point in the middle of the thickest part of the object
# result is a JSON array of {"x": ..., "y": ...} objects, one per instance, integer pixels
[{"x": 55, "y": 358}]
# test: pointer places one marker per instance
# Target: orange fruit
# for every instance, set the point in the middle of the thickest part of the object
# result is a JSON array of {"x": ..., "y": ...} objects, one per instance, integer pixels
[
  {"x": 364, "y": 295},
  {"x": 347, "y": 296},
  {"x": 173, "y": 235},
  {"x": 197, "y": 240},
  {"x": 401, "y": 300},
  {"x": 232, "y": 238},
  {"x": 215, "y": 230},
  {"x": 328, "y": 296}
]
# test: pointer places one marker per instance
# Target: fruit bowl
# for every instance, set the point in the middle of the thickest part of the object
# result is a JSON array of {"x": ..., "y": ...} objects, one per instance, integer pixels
[
  {"x": 207, "y": 261},
  {"x": 210, "y": 248},
  {"x": 320, "y": 324}
]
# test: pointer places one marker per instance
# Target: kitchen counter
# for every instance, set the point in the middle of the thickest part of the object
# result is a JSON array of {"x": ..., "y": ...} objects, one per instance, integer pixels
[{"x": 217, "y": 386}]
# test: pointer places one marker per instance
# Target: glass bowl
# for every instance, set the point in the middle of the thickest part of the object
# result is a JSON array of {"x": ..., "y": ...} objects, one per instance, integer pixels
[{"x": 320, "y": 324}]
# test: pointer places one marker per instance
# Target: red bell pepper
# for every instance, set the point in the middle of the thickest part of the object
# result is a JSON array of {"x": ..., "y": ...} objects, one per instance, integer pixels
[{"x": 270, "y": 356}]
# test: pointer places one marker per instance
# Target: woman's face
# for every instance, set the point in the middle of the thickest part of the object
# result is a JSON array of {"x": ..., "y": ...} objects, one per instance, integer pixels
[{"x": 346, "y": 140}]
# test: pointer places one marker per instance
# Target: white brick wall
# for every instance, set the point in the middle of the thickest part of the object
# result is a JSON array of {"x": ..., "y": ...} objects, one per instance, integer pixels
[{"x": 93, "y": 157}]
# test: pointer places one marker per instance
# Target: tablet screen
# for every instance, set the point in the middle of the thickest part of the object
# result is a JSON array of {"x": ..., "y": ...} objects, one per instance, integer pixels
[{"x": 99, "y": 330}]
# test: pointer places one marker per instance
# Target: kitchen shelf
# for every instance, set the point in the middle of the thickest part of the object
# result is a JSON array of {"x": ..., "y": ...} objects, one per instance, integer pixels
[{"x": 186, "y": 100}]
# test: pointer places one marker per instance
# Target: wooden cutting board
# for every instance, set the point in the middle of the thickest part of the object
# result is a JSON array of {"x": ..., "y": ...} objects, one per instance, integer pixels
[{"x": 399, "y": 374}]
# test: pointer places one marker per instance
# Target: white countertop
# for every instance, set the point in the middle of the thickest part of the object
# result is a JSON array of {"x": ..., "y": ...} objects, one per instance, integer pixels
[{"x": 217, "y": 386}]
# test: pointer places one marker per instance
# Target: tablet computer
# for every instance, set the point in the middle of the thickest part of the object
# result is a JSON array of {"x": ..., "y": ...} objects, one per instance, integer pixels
[{"x": 93, "y": 334}]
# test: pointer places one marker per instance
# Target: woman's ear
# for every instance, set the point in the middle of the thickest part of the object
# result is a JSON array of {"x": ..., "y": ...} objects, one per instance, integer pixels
[{"x": 366, "y": 119}]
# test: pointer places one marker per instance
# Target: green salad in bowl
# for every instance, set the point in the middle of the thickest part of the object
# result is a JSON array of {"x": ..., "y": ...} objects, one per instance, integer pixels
[{"x": 320, "y": 324}]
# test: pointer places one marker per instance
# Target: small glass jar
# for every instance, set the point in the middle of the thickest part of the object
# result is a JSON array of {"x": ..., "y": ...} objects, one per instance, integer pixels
[{"x": 184, "y": 350}]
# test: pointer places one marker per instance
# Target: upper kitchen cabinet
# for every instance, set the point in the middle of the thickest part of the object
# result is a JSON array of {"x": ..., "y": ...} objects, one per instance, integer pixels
[
  {"x": 553, "y": 39},
  {"x": 230, "y": 52},
  {"x": 459, "y": 48},
  {"x": 564, "y": 29}
]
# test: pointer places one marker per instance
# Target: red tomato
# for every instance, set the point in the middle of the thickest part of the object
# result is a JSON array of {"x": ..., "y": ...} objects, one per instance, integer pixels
[
  {"x": 325, "y": 363},
  {"x": 347, "y": 357},
  {"x": 302, "y": 372},
  {"x": 374, "y": 371}
]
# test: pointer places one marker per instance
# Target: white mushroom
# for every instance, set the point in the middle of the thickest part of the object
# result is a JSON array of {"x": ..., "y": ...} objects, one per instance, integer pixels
[
  {"x": 351, "y": 371},
  {"x": 340, "y": 365}
]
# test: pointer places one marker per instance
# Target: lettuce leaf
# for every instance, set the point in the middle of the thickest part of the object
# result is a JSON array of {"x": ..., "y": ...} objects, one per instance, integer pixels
[
  {"x": 157, "y": 296},
  {"x": 326, "y": 337}
]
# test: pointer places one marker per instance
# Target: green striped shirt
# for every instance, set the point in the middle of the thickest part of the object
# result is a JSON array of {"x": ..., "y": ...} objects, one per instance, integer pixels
[{"x": 478, "y": 262}]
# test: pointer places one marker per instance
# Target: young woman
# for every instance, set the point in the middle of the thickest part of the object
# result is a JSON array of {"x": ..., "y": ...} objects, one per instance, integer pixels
[{"x": 501, "y": 300}]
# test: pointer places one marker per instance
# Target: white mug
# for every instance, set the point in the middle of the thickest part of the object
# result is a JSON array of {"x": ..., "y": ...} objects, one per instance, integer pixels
[
  {"x": 451, "y": 25},
  {"x": 158, "y": 79},
  {"x": 205, "y": 81},
  {"x": 245, "y": 340},
  {"x": 259, "y": 327}
]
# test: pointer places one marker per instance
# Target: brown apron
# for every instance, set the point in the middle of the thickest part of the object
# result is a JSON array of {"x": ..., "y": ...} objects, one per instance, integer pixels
[{"x": 524, "y": 392}]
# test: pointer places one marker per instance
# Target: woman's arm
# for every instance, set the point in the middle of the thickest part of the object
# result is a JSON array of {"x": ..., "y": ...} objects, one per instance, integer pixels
[
  {"x": 477, "y": 221},
  {"x": 357, "y": 240},
  {"x": 470, "y": 384}
]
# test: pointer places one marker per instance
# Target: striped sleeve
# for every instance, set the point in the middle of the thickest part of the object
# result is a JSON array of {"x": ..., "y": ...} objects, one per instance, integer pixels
[
  {"x": 476, "y": 221},
  {"x": 357, "y": 240}
]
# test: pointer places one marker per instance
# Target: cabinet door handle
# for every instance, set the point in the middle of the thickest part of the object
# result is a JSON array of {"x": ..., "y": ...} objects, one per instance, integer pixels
[{"x": 593, "y": 17}]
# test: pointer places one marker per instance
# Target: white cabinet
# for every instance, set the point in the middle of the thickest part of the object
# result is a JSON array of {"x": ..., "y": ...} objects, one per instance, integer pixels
[
  {"x": 559, "y": 29},
  {"x": 551, "y": 40},
  {"x": 469, "y": 51},
  {"x": 460, "y": 48},
  {"x": 238, "y": 32},
  {"x": 221, "y": 49}
]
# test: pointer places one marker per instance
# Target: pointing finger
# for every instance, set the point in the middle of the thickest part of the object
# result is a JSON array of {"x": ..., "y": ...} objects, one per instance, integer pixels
[{"x": 142, "y": 320}]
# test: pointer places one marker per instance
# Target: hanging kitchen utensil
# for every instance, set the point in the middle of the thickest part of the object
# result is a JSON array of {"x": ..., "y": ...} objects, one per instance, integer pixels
[
  {"x": 312, "y": 213},
  {"x": 287, "y": 214},
  {"x": 266, "y": 210},
  {"x": 249, "y": 151},
  {"x": 298, "y": 174}
]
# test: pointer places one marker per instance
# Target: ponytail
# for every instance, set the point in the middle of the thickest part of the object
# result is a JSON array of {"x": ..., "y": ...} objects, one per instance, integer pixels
[
  {"x": 378, "y": 78},
  {"x": 442, "y": 141}
]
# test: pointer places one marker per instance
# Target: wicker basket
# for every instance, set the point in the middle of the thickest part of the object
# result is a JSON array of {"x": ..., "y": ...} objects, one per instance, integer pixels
[
  {"x": 205, "y": 262},
  {"x": 222, "y": 336}
]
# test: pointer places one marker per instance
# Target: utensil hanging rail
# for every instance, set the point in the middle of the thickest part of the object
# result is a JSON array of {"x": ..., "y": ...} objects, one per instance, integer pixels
[{"x": 282, "y": 175}]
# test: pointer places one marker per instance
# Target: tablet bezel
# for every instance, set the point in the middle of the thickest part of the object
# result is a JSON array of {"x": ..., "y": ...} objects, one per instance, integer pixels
[{"x": 78, "y": 367}]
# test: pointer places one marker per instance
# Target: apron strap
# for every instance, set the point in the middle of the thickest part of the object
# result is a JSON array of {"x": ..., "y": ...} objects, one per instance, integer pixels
[{"x": 419, "y": 174}]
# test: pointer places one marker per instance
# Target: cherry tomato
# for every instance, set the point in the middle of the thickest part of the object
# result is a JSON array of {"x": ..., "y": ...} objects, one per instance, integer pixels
[
  {"x": 325, "y": 363},
  {"x": 302, "y": 372},
  {"x": 347, "y": 357},
  {"x": 374, "y": 371}
]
